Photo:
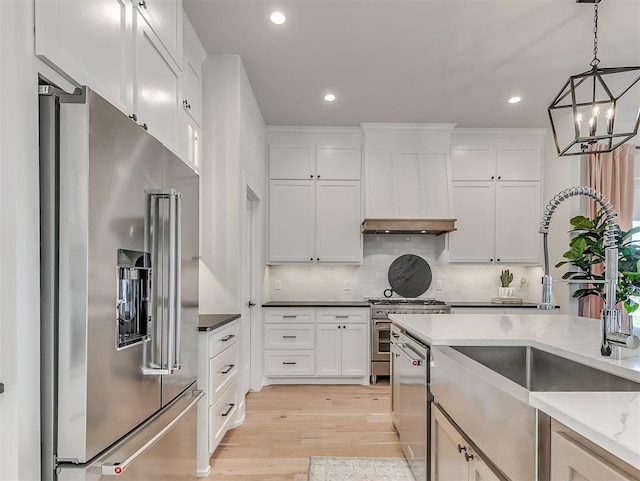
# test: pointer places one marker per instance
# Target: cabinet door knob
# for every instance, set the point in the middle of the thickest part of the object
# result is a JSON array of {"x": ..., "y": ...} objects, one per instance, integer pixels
[
  {"x": 311, "y": 259},
  {"x": 499, "y": 177},
  {"x": 461, "y": 448},
  {"x": 311, "y": 176},
  {"x": 497, "y": 260},
  {"x": 318, "y": 176},
  {"x": 143, "y": 3},
  {"x": 133, "y": 117},
  {"x": 144, "y": 126},
  {"x": 186, "y": 104},
  {"x": 493, "y": 177},
  {"x": 467, "y": 457},
  {"x": 317, "y": 258},
  {"x": 490, "y": 260}
]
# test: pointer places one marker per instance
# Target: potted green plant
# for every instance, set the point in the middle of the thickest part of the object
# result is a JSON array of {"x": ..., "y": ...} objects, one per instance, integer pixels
[
  {"x": 506, "y": 278},
  {"x": 586, "y": 250}
]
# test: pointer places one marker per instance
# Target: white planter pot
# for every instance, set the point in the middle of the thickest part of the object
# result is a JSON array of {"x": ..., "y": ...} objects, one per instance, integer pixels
[{"x": 506, "y": 292}]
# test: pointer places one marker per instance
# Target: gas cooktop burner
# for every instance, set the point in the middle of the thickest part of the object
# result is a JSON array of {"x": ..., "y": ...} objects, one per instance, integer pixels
[{"x": 402, "y": 301}]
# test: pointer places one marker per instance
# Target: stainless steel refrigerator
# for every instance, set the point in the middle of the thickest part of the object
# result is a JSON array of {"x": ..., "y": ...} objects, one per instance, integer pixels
[{"x": 119, "y": 296}]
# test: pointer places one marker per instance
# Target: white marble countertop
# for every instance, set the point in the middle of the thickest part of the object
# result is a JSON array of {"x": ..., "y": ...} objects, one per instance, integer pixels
[{"x": 611, "y": 420}]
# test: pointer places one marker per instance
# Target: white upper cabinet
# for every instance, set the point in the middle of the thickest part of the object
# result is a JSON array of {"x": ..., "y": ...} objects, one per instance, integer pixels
[
  {"x": 338, "y": 162},
  {"x": 156, "y": 93},
  {"x": 89, "y": 42},
  {"x": 497, "y": 195},
  {"x": 292, "y": 224},
  {"x": 193, "y": 56},
  {"x": 192, "y": 85},
  {"x": 130, "y": 52},
  {"x": 486, "y": 154},
  {"x": 287, "y": 161},
  {"x": 165, "y": 19},
  {"x": 338, "y": 217},
  {"x": 407, "y": 171},
  {"x": 314, "y": 161},
  {"x": 315, "y": 206}
]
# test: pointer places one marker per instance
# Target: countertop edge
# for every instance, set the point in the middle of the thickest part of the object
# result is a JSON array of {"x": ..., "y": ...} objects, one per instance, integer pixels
[
  {"x": 551, "y": 404},
  {"x": 211, "y": 322},
  {"x": 316, "y": 304}
]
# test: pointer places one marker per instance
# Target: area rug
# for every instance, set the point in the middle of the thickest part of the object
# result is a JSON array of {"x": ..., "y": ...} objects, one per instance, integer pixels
[{"x": 358, "y": 469}]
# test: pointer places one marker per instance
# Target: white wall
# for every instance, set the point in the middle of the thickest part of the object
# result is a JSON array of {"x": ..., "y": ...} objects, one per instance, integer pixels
[
  {"x": 234, "y": 155},
  {"x": 19, "y": 246}
]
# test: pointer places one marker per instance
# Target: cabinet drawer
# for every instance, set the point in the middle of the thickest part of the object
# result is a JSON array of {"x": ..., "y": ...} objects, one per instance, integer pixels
[
  {"x": 292, "y": 315},
  {"x": 220, "y": 414},
  {"x": 223, "y": 370},
  {"x": 343, "y": 316},
  {"x": 289, "y": 363},
  {"x": 220, "y": 340},
  {"x": 289, "y": 336}
]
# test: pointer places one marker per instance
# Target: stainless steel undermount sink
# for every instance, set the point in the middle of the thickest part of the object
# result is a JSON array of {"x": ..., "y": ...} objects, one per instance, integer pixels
[{"x": 537, "y": 370}]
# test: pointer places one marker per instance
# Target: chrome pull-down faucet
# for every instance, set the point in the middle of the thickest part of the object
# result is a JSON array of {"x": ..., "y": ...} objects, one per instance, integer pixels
[{"x": 615, "y": 330}]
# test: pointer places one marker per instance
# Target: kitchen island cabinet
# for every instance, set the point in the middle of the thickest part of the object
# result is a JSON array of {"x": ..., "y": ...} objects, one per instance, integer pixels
[
  {"x": 602, "y": 423},
  {"x": 453, "y": 457}
]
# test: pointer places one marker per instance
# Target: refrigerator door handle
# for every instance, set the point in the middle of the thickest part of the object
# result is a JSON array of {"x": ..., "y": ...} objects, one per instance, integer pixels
[
  {"x": 176, "y": 275},
  {"x": 117, "y": 468},
  {"x": 165, "y": 359}
]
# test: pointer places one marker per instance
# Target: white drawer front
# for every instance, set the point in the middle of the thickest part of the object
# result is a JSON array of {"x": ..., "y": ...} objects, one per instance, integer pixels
[
  {"x": 289, "y": 363},
  {"x": 343, "y": 315},
  {"x": 289, "y": 336},
  {"x": 223, "y": 370},
  {"x": 289, "y": 315},
  {"x": 221, "y": 339},
  {"x": 220, "y": 414}
]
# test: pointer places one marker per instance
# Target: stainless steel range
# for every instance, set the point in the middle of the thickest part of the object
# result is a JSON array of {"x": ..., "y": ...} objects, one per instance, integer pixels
[{"x": 381, "y": 326}]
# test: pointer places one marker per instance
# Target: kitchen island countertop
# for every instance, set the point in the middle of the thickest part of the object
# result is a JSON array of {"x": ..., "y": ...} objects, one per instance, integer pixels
[{"x": 611, "y": 420}]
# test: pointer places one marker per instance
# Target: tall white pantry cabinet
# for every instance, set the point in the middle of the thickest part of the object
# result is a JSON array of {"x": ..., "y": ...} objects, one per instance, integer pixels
[
  {"x": 497, "y": 186},
  {"x": 314, "y": 195}
]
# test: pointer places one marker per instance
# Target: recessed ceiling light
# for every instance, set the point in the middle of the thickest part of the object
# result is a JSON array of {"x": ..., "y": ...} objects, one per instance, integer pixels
[
  {"x": 329, "y": 97},
  {"x": 514, "y": 100},
  {"x": 278, "y": 18}
]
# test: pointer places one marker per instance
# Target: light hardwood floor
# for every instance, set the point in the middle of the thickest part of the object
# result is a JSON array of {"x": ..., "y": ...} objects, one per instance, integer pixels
[{"x": 284, "y": 425}]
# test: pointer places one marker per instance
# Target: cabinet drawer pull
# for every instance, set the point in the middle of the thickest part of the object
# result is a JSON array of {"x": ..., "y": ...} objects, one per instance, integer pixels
[
  {"x": 228, "y": 410},
  {"x": 227, "y": 337},
  {"x": 342, "y": 317},
  {"x": 227, "y": 369},
  {"x": 288, "y": 363},
  {"x": 289, "y": 337},
  {"x": 289, "y": 316}
]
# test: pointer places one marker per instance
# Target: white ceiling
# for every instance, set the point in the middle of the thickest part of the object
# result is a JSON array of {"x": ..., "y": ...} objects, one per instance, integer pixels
[{"x": 453, "y": 61}]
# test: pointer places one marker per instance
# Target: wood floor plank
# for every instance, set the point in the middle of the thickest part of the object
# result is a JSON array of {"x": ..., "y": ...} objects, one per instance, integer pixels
[{"x": 286, "y": 424}]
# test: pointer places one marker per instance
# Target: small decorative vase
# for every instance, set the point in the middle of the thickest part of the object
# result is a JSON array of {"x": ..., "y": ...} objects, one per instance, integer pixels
[{"x": 506, "y": 292}]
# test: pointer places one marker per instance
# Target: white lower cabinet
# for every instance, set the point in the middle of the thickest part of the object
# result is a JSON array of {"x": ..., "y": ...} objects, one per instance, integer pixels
[
  {"x": 571, "y": 461},
  {"x": 341, "y": 349},
  {"x": 316, "y": 344},
  {"x": 452, "y": 457},
  {"x": 218, "y": 377}
]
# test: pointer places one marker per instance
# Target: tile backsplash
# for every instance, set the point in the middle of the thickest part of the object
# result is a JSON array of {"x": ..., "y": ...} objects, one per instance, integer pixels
[{"x": 327, "y": 282}]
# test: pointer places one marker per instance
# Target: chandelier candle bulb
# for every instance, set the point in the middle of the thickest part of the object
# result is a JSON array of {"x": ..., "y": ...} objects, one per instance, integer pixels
[{"x": 609, "y": 121}]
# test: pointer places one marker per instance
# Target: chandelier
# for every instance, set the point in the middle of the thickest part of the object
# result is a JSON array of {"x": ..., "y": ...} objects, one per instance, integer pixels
[{"x": 597, "y": 106}]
